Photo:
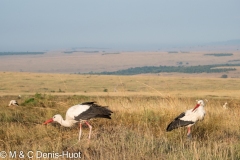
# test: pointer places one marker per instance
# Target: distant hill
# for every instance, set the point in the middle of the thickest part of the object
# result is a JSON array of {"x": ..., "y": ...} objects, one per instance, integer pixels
[
  {"x": 229, "y": 45},
  {"x": 229, "y": 42}
]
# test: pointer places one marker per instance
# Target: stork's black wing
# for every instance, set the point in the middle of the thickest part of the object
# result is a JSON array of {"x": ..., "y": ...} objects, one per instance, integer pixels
[
  {"x": 177, "y": 122},
  {"x": 94, "y": 111}
]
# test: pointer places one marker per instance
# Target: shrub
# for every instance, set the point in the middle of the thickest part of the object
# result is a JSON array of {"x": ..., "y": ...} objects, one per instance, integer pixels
[
  {"x": 105, "y": 90},
  {"x": 224, "y": 76}
]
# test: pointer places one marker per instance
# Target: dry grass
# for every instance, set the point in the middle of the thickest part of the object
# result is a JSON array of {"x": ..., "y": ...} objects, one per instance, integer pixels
[
  {"x": 136, "y": 131},
  {"x": 142, "y": 105},
  {"x": 14, "y": 83}
]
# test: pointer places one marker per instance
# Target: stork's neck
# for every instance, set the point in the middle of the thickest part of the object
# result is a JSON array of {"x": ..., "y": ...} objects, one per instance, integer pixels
[
  {"x": 65, "y": 123},
  {"x": 201, "y": 107}
]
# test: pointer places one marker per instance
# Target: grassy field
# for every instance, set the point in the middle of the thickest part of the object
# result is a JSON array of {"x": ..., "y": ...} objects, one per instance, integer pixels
[
  {"x": 142, "y": 105},
  {"x": 15, "y": 83}
]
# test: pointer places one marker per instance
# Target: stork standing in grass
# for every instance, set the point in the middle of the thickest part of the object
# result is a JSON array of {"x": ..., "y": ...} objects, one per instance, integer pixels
[
  {"x": 82, "y": 113},
  {"x": 13, "y": 102},
  {"x": 188, "y": 118},
  {"x": 225, "y": 105}
]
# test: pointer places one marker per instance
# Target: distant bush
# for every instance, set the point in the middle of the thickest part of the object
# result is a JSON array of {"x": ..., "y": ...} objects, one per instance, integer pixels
[
  {"x": 180, "y": 63},
  {"x": 218, "y": 54},
  {"x": 173, "y": 52},
  {"x": 60, "y": 90},
  {"x": 236, "y": 60},
  {"x": 224, "y": 76},
  {"x": 105, "y": 90},
  {"x": 111, "y": 53}
]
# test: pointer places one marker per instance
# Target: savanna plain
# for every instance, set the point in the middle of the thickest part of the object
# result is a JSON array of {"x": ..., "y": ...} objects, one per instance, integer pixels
[{"x": 142, "y": 105}]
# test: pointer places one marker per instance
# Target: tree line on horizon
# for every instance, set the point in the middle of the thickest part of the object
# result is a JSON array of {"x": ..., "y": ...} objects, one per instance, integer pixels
[
  {"x": 19, "y": 53},
  {"x": 179, "y": 69}
]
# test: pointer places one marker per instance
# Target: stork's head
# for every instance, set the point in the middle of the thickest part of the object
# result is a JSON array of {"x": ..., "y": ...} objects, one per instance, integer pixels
[
  {"x": 199, "y": 103},
  {"x": 55, "y": 118}
]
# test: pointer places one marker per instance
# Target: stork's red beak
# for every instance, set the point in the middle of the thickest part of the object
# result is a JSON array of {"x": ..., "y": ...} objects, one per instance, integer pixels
[
  {"x": 196, "y": 107},
  {"x": 48, "y": 121}
]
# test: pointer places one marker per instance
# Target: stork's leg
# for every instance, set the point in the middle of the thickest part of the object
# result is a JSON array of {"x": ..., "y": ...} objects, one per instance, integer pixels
[
  {"x": 80, "y": 131},
  {"x": 90, "y": 129},
  {"x": 189, "y": 132}
]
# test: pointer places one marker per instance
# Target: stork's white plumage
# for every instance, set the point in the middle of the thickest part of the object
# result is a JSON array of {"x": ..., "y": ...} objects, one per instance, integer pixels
[
  {"x": 225, "y": 105},
  {"x": 188, "y": 118},
  {"x": 81, "y": 113},
  {"x": 13, "y": 102}
]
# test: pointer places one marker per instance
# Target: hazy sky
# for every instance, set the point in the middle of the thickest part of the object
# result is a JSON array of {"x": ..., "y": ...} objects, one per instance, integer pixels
[{"x": 27, "y": 25}]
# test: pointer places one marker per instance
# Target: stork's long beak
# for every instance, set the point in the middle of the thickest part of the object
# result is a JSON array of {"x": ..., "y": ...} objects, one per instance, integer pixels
[
  {"x": 196, "y": 107},
  {"x": 48, "y": 121}
]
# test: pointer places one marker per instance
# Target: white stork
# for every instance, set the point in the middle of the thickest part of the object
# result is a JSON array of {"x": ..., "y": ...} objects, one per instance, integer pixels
[
  {"x": 188, "y": 118},
  {"x": 81, "y": 113},
  {"x": 225, "y": 105},
  {"x": 13, "y": 102}
]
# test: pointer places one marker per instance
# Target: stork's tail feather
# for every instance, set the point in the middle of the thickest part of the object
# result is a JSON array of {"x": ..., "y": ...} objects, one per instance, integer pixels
[
  {"x": 105, "y": 116},
  {"x": 177, "y": 123},
  {"x": 104, "y": 112},
  {"x": 169, "y": 127}
]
